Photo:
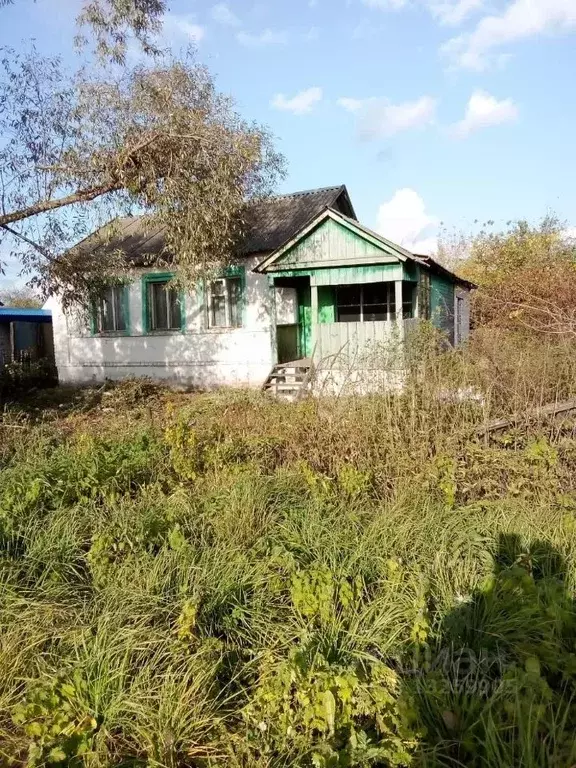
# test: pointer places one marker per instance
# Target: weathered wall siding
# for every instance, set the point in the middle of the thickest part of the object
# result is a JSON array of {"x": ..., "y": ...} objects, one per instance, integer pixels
[
  {"x": 200, "y": 356},
  {"x": 326, "y": 304},
  {"x": 380, "y": 273},
  {"x": 353, "y": 275},
  {"x": 333, "y": 244},
  {"x": 410, "y": 271},
  {"x": 442, "y": 304},
  {"x": 348, "y": 344},
  {"x": 464, "y": 294}
]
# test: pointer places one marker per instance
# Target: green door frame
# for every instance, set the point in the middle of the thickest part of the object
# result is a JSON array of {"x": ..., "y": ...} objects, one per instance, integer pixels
[{"x": 304, "y": 295}]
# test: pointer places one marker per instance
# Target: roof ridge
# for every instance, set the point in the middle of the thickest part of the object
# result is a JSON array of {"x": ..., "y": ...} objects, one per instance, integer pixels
[{"x": 304, "y": 192}]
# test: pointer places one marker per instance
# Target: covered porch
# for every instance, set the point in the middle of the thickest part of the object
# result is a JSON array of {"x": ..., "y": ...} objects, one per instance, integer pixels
[
  {"x": 339, "y": 290},
  {"x": 323, "y": 314}
]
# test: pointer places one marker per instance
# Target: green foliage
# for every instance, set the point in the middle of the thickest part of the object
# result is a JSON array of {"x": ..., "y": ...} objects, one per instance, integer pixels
[
  {"x": 235, "y": 582},
  {"x": 18, "y": 377},
  {"x": 332, "y": 715},
  {"x": 53, "y": 721},
  {"x": 525, "y": 276}
]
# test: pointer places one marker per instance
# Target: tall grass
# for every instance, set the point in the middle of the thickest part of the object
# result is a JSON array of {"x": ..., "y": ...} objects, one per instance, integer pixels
[{"x": 226, "y": 580}]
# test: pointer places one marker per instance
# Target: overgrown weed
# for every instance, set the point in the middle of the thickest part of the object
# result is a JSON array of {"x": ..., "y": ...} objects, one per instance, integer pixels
[{"x": 235, "y": 581}]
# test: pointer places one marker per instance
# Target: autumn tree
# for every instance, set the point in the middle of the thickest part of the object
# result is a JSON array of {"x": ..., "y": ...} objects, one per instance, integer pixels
[
  {"x": 24, "y": 298},
  {"x": 110, "y": 24},
  {"x": 157, "y": 138},
  {"x": 526, "y": 276}
]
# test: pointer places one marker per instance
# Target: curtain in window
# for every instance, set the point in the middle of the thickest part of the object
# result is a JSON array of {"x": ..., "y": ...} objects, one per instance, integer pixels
[
  {"x": 164, "y": 307},
  {"x": 235, "y": 301},
  {"x": 226, "y": 303},
  {"x": 110, "y": 315}
]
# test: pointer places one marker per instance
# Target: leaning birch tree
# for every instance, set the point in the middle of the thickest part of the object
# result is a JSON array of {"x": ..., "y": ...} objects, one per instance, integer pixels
[{"x": 80, "y": 148}]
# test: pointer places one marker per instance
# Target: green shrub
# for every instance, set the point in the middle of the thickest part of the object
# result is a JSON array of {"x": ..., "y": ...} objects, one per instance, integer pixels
[{"x": 235, "y": 581}]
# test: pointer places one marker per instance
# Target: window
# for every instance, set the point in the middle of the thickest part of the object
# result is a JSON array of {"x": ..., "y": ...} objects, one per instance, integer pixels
[
  {"x": 408, "y": 290},
  {"x": 225, "y": 303},
  {"x": 365, "y": 303},
  {"x": 424, "y": 296},
  {"x": 163, "y": 305},
  {"x": 459, "y": 319},
  {"x": 110, "y": 313}
]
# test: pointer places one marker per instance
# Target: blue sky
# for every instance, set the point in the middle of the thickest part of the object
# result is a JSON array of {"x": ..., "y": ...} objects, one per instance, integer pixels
[{"x": 431, "y": 111}]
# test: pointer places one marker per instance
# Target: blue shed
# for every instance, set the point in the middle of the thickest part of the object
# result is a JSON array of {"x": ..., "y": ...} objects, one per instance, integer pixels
[{"x": 25, "y": 334}]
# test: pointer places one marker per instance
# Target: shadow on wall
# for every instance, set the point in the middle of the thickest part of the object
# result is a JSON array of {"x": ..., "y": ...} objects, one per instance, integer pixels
[{"x": 497, "y": 688}]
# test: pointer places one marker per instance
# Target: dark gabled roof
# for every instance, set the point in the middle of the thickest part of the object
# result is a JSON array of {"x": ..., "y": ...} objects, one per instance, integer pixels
[
  {"x": 132, "y": 235},
  {"x": 274, "y": 221},
  {"x": 270, "y": 223}
]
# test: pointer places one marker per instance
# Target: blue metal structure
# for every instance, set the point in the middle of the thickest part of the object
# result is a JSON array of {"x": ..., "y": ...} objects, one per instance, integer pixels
[{"x": 24, "y": 315}]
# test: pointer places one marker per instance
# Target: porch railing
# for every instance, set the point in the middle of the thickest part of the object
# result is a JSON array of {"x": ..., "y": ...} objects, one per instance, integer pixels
[{"x": 357, "y": 341}]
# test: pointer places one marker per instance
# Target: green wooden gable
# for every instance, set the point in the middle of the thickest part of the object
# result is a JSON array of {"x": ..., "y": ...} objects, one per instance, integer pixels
[
  {"x": 332, "y": 245},
  {"x": 335, "y": 250}
]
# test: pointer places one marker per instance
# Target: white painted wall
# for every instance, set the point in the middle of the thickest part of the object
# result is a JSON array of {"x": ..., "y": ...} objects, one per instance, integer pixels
[{"x": 198, "y": 357}]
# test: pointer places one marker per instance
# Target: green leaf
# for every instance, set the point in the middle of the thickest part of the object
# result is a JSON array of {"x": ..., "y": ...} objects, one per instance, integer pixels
[
  {"x": 330, "y": 709},
  {"x": 56, "y": 755}
]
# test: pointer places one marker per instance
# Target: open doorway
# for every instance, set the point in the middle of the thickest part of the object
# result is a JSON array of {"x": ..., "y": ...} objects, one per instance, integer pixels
[{"x": 293, "y": 318}]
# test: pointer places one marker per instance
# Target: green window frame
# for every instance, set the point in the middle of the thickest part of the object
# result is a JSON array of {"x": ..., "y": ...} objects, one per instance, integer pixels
[
  {"x": 226, "y": 299},
  {"x": 162, "y": 316},
  {"x": 365, "y": 302},
  {"x": 110, "y": 315}
]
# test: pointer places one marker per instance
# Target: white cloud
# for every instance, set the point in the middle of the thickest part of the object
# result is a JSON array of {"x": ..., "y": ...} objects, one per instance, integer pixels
[
  {"x": 483, "y": 111},
  {"x": 453, "y": 12},
  {"x": 448, "y": 12},
  {"x": 404, "y": 220},
  {"x": 351, "y": 105},
  {"x": 299, "y": 104},
  {"x": 378, "y": 118},
  {"x": 222, "y": 14},
  {"x": 428, "y": 246},
  {"x": 386, "y": 5},
  {"x": 266, "y": 37},
  {"x": 182, "y": 26},
  {"x": 521, "y": 20}
]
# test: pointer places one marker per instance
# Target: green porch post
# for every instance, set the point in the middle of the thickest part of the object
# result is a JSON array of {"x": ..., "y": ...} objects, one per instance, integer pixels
[{"x": 314, "y": 319}]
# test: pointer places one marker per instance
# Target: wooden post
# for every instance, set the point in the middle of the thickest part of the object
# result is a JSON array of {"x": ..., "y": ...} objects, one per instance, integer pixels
[
  {"x": 398, "y": 301},
  {"x": 12, "y": 342},
  {"x": 273, "y": 328},
  {"x": 314, "y": 317}
]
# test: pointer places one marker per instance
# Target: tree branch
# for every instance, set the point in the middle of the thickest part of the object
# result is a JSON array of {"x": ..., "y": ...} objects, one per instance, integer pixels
[
  {"x": 36, "y": 246},
  {"x": 43, "y": 206}
]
